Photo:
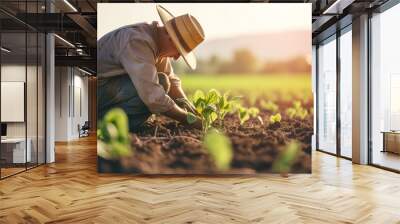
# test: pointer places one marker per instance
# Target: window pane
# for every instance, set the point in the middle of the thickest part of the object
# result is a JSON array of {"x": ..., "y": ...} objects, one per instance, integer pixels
[
  {"x": 345, "y": 94},
  {"x": 14, "y": 153},
  {"x": 386, "y": 88},
  {"x": 327, "y": 96}
]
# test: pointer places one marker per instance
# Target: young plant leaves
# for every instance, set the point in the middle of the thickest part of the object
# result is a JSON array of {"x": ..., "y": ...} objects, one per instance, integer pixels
[
  {"x": 270, "y": 106},
  {"x": 287, "y": 157},
  {"x": 275, "y": 118},
  {"x": 219, "y": 147},
  {"x": 113, "y": 135}
]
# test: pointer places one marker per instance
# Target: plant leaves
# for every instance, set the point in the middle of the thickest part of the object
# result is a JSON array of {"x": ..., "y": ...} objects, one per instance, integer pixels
[
  {"x": 291, "y": 112},
  {"x": 198, "y": 94},
  {"x": 297, "y": 104},
  {"x": 243, "y": 115},
  {"x": 210, "y": 108},
  {"x": 119, "y": 150},
  {"x": 253, "y": 111},
  {"x": 270, "y": 106},
  {"x": 275, "y": 118},
  {"x": 212, "y": 96},
  {"x": 287, "y": 157},
  {"x": 119, "y": 119},
  {"x": 113, "y": 135},
  {"x": 220, "y": 148}
]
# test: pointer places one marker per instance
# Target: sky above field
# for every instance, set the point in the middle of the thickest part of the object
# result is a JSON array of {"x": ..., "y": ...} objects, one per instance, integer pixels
[{"x": 220, "y": 20}]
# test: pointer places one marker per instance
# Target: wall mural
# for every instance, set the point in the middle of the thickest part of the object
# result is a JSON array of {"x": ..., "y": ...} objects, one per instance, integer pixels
[{"x": 204, "y": 88}]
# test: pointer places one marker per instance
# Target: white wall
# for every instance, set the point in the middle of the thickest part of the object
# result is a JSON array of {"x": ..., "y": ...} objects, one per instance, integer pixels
[
  {"x": 61, "y": 103},
  {"x": 71, "y": 94},
  {"x": 81, "y": 102}
]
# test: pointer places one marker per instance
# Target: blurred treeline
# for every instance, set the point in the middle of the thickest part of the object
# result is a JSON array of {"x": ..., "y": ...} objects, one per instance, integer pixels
[{"x": 244, "y": 61}]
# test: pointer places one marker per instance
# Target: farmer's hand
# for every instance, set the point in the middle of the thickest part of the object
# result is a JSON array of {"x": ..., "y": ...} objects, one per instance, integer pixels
[
  {"x": 198, "y": 124},
  {"x": 181, "y": 115},
  {"x": 176, "y": 92},
  {"x": 187, "y": 105},
  {"x": 179, "y": 96}
]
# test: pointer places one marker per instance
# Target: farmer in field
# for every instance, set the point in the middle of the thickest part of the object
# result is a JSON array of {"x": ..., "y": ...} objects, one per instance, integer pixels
[{"x": 135, "y": 72}]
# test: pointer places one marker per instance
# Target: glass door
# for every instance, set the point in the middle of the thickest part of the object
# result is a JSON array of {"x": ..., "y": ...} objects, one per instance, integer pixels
[
  {"x": 327, "y": 95},
  {"x": 385, "y": 89},
  {"x": 346, "y": 92},
  {"x": 22, "y": 77},
  {"x": 14, "y": 153}
]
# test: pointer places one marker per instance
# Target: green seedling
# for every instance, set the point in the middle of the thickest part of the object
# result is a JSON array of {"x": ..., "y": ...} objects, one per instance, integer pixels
[
  {"x": 219, "y": 147},
  {"x": 212, "y": 106},
  {"x": 297, "y": 104},
  {"x": 269, "y": 105},
  {"x": 297, "y": 111},
  {"x": 209, "y": 115},
  {"x": 113, "y": 135},
  {"x": 253, "y": 111},
  {"x": 226, "y": 104},
  {"x": 246, "y": 113},
  {"x": 291, "y": 112},
  {"x": 302, "y": 113},
  {"x": 205, "y": 107},
  {"x": 275, "y": 118},
  {"x": 287, "y": 157},
  {"x": 243, "y": 115}
]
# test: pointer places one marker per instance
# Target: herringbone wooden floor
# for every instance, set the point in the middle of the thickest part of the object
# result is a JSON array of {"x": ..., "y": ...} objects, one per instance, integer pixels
[{"x": 71, "y": 191}]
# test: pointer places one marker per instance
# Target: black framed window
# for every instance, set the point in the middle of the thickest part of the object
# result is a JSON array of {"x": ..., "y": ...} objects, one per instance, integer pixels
[
  {"x": 326, "y": 109},
  {"x": 15, "y": 152},
  {"x": 345, "y": 93},
  {"x": 334, "y": 94},
  {"x": 384, "y": 86},
  {"x": 22, "y": 78}
]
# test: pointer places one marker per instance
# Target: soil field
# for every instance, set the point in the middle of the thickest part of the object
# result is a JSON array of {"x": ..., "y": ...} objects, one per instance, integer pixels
[{"x": 163, "y": 146}]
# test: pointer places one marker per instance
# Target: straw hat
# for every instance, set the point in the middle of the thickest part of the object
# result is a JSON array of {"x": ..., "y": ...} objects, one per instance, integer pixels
[{"x": 185, "y": 31}]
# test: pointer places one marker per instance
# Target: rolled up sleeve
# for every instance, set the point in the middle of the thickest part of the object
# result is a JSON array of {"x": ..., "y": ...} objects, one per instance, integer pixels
[
  {"x": 138, "y": 61},
  {"x": 164, "y": 65}
]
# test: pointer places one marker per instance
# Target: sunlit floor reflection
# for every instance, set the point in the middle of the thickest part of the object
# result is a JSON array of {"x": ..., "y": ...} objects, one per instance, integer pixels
[{"x": 386, "y": 159}]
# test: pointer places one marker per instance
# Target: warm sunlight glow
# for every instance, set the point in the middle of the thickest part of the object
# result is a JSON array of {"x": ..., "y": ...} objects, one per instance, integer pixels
[{"x": 218, "y": 20}]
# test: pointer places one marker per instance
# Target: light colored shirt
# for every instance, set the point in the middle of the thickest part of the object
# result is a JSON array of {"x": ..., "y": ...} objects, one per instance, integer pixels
[{"x": 133, "y": 50}]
